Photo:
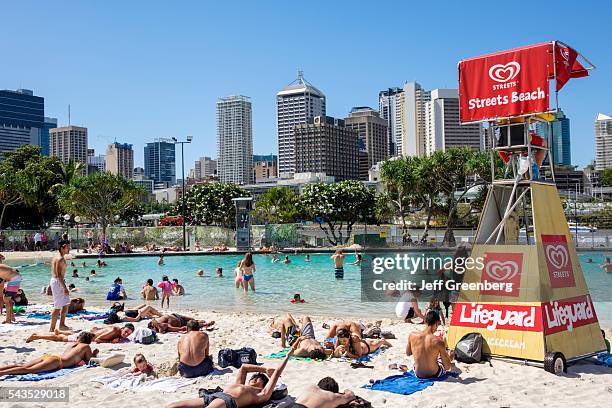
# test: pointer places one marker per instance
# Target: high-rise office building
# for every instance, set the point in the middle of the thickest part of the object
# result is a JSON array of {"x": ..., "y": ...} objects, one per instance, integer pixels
[
  {"x": 234, "y": 140},
  {"x": 69, "y": 144},
  {"x": 49, "y": 123},
  {"x": 560, "y": 146},
  {"x": 413, "y": 117},
  {"x": 21, "y": 119},
  {"x": 264, "y": 167},
  {"x": 295, "y": 104},
  {"x": 373, "y": 137},
  {"x": 325, "y": 145},
  {"x": 389, "y": 106},
  {"x": 160, "y": 162},
  {"x": 442, "y": 127},
  {"x": 603, "y": 142},
  {"x": 120, "y": 159}
]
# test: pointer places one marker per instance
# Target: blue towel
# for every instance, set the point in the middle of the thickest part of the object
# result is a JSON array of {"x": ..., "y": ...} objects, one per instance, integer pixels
[
  {"x": 604, "y": 359},
  {"x": 405, "y": 384},
  {"x": 47, "y": 375},
  {"x": 47, "y": 315}
]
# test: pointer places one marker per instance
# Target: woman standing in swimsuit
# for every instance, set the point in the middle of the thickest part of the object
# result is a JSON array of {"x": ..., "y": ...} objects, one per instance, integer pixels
[{"x": 247, "y": 266}]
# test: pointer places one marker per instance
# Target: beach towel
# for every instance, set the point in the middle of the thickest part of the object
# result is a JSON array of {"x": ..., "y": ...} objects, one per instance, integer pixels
[
  {"x": 405, "y": 384},
  {"x": 47, "y": 315},
  {"x": 141, "y": 383},
  {"x": 47, "y": 375},
  {"x": 604, "y": 359},
  {"x": 283, "y": 353}
]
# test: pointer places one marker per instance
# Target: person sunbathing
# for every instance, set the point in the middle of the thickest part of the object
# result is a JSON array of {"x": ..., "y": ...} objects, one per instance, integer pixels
[
  {"x": 174, "y": 323},
  {"x": 351, "y": 346},
  {"x": 287, "y": 329},
  {"x": 257, "y": 390},
  {"x": 112, "y": 334},
  {"x": 72, "y": 356},
  {"x": 326, "y": 394},
  {"x": 64, "y": 336},
  {"x": 194, "y": 360},
  {"x": 428, "y": 350},
  {"x": 141, "y": 312}
]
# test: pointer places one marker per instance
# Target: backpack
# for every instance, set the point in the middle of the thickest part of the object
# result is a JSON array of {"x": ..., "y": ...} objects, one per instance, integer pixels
[
  {"x": 469, "y": 348},
  {"x": 236, "y": 358}
]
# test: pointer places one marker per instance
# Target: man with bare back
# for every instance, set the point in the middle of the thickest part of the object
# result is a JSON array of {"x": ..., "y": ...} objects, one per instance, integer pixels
[{"x": 61, "y": 293}]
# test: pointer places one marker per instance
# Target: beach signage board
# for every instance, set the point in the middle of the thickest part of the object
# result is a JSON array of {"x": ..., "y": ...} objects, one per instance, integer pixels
[{"x": 505, "y": 84}]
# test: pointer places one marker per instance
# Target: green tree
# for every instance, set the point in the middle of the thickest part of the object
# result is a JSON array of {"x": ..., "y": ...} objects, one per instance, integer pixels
[
  {"x": 211, "y": 204},
  {"x": 100, "y": 197},
  {"x": 337, "y": 205},
  {"x": 458, "y": 169},
  {"x": 606, "y": 177},
  {"x": 278, "y": 205},
  {"x": 400, "y": 182},
  {"x": 10, "y": 192}
]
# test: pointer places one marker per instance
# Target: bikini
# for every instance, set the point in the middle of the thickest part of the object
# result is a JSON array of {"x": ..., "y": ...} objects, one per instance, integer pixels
[{"x": 46, "y": 357}]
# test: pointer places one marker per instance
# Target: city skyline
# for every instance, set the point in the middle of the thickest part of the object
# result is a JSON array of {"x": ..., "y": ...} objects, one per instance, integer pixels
[{"x": 122, "y": 87}]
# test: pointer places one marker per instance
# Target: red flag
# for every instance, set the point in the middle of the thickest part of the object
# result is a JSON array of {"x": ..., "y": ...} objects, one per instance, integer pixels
[{"x": 567, "y": 65}]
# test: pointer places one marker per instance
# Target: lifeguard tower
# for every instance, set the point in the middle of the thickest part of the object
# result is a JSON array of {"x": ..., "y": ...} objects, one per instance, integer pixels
[{"x": 532, "y": 303}]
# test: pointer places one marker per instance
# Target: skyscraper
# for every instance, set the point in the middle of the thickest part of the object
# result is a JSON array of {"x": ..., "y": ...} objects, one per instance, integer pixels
[
  {"x": 603, "y": 141},
  {"x": 69, "y": 144},
  {"x": 235, "y": 140},
  {"x": 325, "y": 145},
  {"x": 295, "y": 104},
  {"x": 49, "y": 123},
  {"x": 413, "y": 116},
  {"x": 160, "y": 161},
  {"x": 442, "y": 127},
  {"x": 560, "y": 146},
  {"x": 120, "y": 159},
  {"x": 389, "y": 106},
  {"x": 372, "y": 132},
  {"x": 21, "y": 119}
]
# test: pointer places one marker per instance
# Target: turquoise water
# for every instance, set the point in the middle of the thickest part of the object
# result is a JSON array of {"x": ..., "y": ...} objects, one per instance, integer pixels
[{"x": 275, "y": 284}]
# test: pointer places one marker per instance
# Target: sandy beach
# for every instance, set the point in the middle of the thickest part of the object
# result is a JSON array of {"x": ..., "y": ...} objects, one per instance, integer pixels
[{"x": 495, "y": 384}]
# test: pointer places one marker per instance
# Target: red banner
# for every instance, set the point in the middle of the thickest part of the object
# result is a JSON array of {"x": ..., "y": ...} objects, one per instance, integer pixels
[
  {"x": 497, "y": 316},
  {"x": 566, "y": 314},
  {"x": 505, "y": 84},
  {"x": 558, "y": 261}
]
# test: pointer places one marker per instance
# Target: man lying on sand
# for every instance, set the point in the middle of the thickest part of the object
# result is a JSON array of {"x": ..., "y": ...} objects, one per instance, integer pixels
[
  {"x": 73, "y": 355},
  {"x": 352, "y": 346},
  {"x": 326, "y": 394},
  {"x": 257, "y": 390},
  {"x": 289, "y": 331},
  {"x": 175, "y": 323},
  {"x": 428, "y": 350},
  {"x": 194, "y": 360}
]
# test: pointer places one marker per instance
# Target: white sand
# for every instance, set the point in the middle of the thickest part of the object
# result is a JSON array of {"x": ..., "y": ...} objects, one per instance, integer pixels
[{"x": 498, "y": 384}]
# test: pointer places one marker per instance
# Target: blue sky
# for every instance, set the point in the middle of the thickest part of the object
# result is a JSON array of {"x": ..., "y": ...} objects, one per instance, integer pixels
[{"x": 136, "y": 70}]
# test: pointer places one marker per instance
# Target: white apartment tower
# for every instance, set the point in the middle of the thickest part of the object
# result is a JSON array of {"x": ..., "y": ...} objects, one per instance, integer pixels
[
  {"x": 603, "y": 142},
  {"x": 442, "y": 127},
  {"x": 413, "y": 119},
  {"x": 295, "y": 104},
  {"x": 235, "y": 140},
  {"x": 389, "y": 106}
]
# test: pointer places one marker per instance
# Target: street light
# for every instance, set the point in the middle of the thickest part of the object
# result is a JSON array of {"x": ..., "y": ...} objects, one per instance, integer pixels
[{"x": 182, "y": 143}]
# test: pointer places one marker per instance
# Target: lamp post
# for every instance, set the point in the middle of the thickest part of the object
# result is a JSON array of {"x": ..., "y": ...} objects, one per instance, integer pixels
[{"x": 182, "y": 143}]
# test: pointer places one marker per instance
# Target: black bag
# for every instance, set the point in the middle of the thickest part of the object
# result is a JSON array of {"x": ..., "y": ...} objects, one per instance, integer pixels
[
  {"x": 112, "y": 317},
  {"x": 469, "y": 348},
  {"x": 236, "y": 358}
]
